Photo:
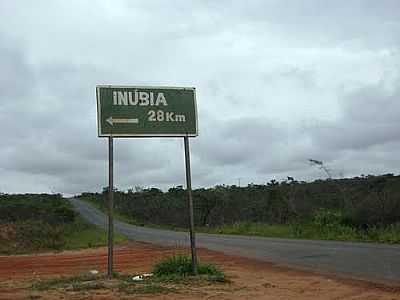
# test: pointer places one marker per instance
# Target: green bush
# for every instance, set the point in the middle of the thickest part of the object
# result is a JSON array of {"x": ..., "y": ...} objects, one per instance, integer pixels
[
  {"x": 174, "y": 265},
  {"x": 326, "y": 219},
  {"x": 181, "y": 265}
]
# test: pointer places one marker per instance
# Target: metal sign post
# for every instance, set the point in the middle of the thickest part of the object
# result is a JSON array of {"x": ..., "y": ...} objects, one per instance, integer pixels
[
  {"x": 110, "y": 207},
  {"x": 146, "y": 111},
  {"x": 191, "y": 215}
]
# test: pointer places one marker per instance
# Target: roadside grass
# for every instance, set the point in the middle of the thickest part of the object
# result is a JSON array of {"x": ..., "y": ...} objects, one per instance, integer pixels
[
  {"x": 248, "y": 228},
  {"x": 170, "y": 275},
  {"x": 80, "y": 234},
  {"x": 390, "y": 235}
]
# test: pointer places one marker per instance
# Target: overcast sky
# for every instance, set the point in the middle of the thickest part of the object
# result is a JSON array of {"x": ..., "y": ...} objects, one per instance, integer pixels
[{"x": 278, "y": 82}]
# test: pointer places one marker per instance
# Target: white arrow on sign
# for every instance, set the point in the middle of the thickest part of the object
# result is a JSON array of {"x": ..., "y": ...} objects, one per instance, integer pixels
[{"x": 112, "y": 120}]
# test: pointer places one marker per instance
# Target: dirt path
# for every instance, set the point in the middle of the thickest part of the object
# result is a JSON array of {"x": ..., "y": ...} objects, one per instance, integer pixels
[{"x": 250, "y": 279}]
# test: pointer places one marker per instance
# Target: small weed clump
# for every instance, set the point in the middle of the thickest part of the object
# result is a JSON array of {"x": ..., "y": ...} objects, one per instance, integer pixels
[{"x": 180, "y": 266}]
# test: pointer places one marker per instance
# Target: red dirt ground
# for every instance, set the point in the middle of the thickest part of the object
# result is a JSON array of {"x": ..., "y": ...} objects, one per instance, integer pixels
[{"x": 250, "y": 279}]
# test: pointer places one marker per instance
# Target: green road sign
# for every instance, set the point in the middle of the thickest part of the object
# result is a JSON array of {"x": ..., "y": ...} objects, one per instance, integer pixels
[{"x": 137, "y": 111}]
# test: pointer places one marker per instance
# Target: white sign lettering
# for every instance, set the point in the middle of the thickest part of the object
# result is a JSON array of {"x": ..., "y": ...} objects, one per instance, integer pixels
[{"x": 139, "y": 98}]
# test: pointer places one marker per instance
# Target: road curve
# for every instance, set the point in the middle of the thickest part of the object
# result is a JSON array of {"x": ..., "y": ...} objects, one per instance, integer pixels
[{"x": 374, "y": 262}]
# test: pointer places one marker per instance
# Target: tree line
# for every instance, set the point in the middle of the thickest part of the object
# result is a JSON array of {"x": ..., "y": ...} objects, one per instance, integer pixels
[{"x": 360, "y": 202}]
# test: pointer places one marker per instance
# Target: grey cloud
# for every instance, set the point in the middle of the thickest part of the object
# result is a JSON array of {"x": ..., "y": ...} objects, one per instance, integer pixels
[
  {"x": 373, "y": 104},
  {"x": 302, "y": 77},
  {"x": 261, "y": 68},
  {"x": 356, "y": 136},
  {"x": 238, "y": 140},
  {"x": 17, "y": 79},
  {"x": 333, "y": 22},
  {"x": 370, "y": 117}
]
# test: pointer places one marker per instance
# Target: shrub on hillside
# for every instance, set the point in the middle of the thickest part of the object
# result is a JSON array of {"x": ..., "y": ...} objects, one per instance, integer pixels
[
  {"x": 51, "y": 209},
  {"x": 37, "y": 222},
  {"x": 36, "y": 235}
]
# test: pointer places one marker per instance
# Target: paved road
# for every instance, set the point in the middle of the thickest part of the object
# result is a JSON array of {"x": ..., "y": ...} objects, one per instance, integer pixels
[{"x": 380, "y": 263}]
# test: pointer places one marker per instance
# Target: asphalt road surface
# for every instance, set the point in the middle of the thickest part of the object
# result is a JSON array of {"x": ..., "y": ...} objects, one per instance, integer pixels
[{"x": 374, "y": 262}]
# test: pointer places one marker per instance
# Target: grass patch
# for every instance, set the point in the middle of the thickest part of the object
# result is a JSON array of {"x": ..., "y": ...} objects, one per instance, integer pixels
[
  {"x": 178, "y": 267},
  {"x": 295, "y": 230},
  {"x": 390, "y": 234}
]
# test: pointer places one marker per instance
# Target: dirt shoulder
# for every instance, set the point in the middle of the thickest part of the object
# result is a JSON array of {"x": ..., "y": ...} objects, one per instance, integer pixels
[{"x": 249, "y": 279}]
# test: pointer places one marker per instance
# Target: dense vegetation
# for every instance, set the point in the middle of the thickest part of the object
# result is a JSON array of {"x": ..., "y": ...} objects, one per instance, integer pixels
[
  {"x": 360, "y": 208},
  {"x": 34, "y": 222}
]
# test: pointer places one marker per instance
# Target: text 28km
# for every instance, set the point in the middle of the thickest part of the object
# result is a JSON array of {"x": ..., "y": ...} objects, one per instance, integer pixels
[{"x": 164, "y": 116}]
